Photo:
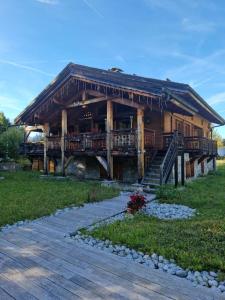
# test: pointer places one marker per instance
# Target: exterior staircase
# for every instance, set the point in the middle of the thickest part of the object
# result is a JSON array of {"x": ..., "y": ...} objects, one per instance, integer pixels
[
  {"x": 151, "y": 180},
  {"x": 162, "y": 164}
]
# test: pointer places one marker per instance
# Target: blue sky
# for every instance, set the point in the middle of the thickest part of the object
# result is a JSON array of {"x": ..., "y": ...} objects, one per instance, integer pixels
[{"x": 177, "y": 39}]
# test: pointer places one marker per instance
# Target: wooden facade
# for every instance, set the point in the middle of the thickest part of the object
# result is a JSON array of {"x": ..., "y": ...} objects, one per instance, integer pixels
[{"x": 116, "y": 118}]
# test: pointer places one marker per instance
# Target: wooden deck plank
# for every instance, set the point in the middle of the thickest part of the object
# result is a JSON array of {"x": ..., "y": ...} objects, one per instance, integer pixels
[
  {"x": 104, "y": 292},
  {"x": 46, "y": 280},
  {"x": 4, "y": 295},
  {"x": 104, "y": 282},
  {"x": 14, "y": 290},
  {"x": 79, "y": 255}
]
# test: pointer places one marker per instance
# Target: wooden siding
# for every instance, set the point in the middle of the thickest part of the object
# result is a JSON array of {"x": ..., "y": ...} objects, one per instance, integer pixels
[{"x": 195, "y": 121}]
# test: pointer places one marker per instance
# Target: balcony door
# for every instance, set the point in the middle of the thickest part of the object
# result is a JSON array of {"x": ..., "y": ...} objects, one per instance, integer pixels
[{"x": 187, "y": 130}]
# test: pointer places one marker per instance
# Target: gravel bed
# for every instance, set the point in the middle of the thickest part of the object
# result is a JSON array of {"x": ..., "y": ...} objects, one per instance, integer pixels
[
  {"x": 203, "y": 278},
  {"x": 169, "y": 211}
]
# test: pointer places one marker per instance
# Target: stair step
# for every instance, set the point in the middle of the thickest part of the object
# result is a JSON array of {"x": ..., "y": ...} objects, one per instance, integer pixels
[
  {"x": 152, "y": 179},
  {"x": 152, "y": 174},
  {"x": 155, "y": 166},
  {"x": 151, "y": 184}
]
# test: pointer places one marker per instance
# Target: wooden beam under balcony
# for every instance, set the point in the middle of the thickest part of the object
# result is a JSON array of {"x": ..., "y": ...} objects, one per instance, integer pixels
[
  {"x": 109, "y": 128},
  {"x": 140, "y": 142},
  {"x": 46, "y": 134},
  {"x": 64, "y": 132}
]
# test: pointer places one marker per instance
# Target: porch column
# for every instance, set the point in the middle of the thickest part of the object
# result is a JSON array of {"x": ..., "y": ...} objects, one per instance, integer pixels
[
  {"x": 140, "y": 143},
  {"x": 46, "y": 134},
  {"x": 109, "y": 127},
  {"x": 176, "y": 171},
  {"x": 64, "y": 132},
  {"x": 182, "y": 168}
]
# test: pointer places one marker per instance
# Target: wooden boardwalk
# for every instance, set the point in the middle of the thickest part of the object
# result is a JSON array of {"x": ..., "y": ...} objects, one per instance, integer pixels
[{"x": 37, "y": 261}]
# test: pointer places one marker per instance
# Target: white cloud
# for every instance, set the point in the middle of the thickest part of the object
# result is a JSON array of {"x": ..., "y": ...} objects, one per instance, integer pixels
[
  {"x": 93, "y": 8},
  {"x": 22, "y": 66},
  {"x": 217, "y": 99},
  {"x": 49, "y": 2},
  {"x": 197, "y": 70},
  {"x": 197, "y": 26}
]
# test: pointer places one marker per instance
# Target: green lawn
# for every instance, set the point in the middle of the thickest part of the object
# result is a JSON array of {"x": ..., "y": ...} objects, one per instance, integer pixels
[
  {"x": 23, "y": 195},
  {"x": 198, "y": 243}
]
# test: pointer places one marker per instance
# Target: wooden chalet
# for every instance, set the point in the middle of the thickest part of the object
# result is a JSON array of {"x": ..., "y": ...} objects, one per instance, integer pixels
[{"x": 107, "y": 124}]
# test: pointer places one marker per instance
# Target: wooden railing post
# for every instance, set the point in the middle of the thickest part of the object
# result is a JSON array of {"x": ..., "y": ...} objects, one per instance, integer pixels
[
  {"x": 64, "y": 133},
  {"x": 109, "y": 128},
  {"x": 46, "y": 134},
  {"x": 140, "y": 143}
]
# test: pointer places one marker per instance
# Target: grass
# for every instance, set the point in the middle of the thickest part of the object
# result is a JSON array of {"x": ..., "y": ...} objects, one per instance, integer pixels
[
  {"x": 198, "y": 243},
  {"x": 23, "y": 195}
]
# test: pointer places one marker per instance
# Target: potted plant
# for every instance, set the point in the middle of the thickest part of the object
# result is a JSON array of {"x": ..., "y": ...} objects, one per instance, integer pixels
[{"x": 137, "y": 202}]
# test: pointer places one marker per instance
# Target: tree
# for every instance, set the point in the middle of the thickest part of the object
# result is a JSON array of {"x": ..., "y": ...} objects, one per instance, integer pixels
[
  {"x": 4, "y": 122},
  {"x": 217, "y": 137},
  {"x": 10, "y": 141}
]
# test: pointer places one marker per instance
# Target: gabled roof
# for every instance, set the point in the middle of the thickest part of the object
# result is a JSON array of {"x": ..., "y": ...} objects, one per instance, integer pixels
[{"x": 134, "y": 83}]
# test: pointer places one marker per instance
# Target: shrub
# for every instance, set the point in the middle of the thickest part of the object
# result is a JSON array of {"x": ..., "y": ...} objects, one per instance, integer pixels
[{"x": 10, "y": 141}]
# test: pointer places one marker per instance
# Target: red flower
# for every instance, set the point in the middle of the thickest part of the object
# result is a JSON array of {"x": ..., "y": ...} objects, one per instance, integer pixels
[{"x": 137, "y": 202}]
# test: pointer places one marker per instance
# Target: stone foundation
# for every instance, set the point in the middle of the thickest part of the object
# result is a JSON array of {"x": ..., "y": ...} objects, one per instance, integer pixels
[{"x": 200, "y": 169}]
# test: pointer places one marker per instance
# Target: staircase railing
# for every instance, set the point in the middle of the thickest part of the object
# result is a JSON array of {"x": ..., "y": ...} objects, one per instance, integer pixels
[{"x": 169, "y": 159}]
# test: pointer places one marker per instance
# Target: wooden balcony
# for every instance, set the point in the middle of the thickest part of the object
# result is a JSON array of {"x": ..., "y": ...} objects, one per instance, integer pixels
[
  {"x": 124, "y": 142},
  {"x": 200, "y": 145},
  {"x": 194, "y": 145}
]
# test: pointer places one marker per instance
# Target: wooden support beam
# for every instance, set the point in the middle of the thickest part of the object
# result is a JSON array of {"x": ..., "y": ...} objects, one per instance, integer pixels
[
  {"x": 129, "y": 103},
  {"x": 121, "y": 101},
  {"x": 140, "y": 143},
  {"x": 89, "y": 101},
  {"x": 64, "y": 132},
  {"x": 176, "y": 171},
  {"x": 182, "y": 168},
  {"x": 109, "y": 128},
  {"x": 46, "y": 134}
]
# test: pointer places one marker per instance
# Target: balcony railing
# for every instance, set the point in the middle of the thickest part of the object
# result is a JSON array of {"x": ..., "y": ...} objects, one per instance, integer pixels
[
  {"x": 54, "y": 143},
  {"x": 201, "y": 145},
  {"x": 85, "y": 142},
  {"x": 32, "y": 149},
  {"x": 126, "y": 139},
  {"x": 122, "y": 141},
  {"x": 197, "y": 145},
  {"x": 167, "y": 138}
]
